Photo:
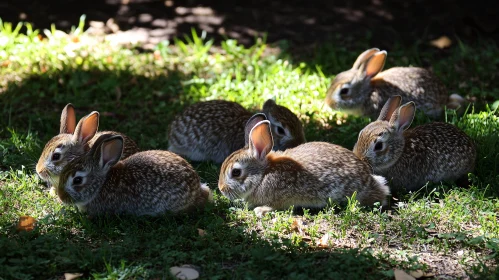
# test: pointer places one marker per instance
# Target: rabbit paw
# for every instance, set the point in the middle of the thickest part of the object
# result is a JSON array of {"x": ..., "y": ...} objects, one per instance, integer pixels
[{"x": 262, "y": 211}]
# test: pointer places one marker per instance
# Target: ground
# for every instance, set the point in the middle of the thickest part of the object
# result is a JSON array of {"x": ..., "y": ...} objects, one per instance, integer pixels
[{"x": 443, "y": 231}]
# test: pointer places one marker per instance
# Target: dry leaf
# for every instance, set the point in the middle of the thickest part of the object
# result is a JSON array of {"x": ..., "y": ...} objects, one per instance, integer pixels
[
  {"x": 71, "y": 276},
  {"x": 297, "y": 226},
  {"x": 201, "y": 232},
  {"x": 26, "y": 223},
  {"x": 402, "y": 275},
  {"x": 417, "y": 273},
  {"x": 185, "y": 272},
  {"x": 442, "y": 42},
  {"x": 157, "y": 55},
  {"x": 324, "y": 241}
]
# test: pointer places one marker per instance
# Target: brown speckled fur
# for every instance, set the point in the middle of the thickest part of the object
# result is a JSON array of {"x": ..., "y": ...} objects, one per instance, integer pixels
[
  {"x": 367, "y": 96},
  {"x": 307, "y": 176},
  {"x": 212, "y": 130},
  {"x": 412, "y": 157},
  {"x": 146, "y": 183},
  {"x": 432, "y": 152},
  {"x": 49, "y": 170}
]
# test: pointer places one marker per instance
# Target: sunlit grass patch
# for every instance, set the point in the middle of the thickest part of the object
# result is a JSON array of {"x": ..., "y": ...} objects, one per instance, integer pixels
[{"x": 139, "y": 93}]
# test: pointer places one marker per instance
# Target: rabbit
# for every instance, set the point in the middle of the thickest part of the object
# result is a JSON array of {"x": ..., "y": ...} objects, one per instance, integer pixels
[
  {"x": 73, "y": 141},
  {"x": 364, "y": 89},
  {"x": 411, "y": 157},
  {"x": 305, "y": 176},
  {"x": 145, "y": 183},
  {"x": 212, "y": 130}
]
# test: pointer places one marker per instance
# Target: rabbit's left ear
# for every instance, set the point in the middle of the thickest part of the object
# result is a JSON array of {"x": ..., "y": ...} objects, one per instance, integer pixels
[
  {"x": 374, "y": 65},
  {"x": 250, "y": 123},
  {"x": 260, "y": 140},
  {"x": 363, "y": 57},
  {"x": 403, "y": 116},
  {"x": 111, "y": 150},
  {"x": 390, "y": 106},
  {"x": 86, "y": 128}
]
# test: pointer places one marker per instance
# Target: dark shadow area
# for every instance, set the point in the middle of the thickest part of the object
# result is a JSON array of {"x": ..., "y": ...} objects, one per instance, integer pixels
[
  {"x": 384, "y": 23},
  {"x": 70, "y": 242}
]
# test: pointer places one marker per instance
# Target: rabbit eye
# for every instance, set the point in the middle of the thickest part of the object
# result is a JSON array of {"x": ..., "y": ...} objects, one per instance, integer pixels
[
  {"x": 344, "y": 91},
  {"x": 378, "y": 146},
  {"x": 56, "y": 156},
  {"x": 280, "y": 130},
  {"x": 77, "y": 180},
  {"x": 236, "y": 172}
]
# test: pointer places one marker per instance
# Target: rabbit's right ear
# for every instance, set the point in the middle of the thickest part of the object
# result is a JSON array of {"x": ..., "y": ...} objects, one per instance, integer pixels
[
  {"x": 373, "y": 65},
  {"x": 260, "y": 140},
  {"x": 390, "y": 106},
  {"x": 86, "y": 128},
  {"x": 68, "y": 120},
  {"x": 403, "y": 116},
  {"x": 363, "y": 57},
  {"x": 252, "y": 121},
  {"x": 110, "y": 152}
]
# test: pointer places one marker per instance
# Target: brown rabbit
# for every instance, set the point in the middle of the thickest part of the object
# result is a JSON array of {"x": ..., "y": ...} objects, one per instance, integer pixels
[
  {"x": 364, "y": 89},
  {"x": 73, "y": 141},
  {"x": 146, "y": 183},
  {"x": 411, "y": 157},
  {"x": 212, "y": 130},
  {"x": 305, "y": 176}
]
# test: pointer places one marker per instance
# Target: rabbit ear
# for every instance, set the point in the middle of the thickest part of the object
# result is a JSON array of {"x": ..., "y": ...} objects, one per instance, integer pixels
[
  {"x": 86, "y": 128},
  {"x": 68, "y": 119},
  {"x": 268, "y": 104},
  {"x": 403, "y": 116},
  {"x": 110, "y": 152},
  {"x": 256, "y": 118},
  {"x": 374, "y": 65},
  {"x": 390, "y": 106},
  {"x": 363, "y": 57},
  {"x": 260, "y": 140}
]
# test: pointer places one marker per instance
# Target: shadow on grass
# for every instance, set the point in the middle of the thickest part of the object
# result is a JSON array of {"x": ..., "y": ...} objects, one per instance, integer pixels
[
  {"x": 66, "y": 241},
  {"x": 69, "y": 242}
]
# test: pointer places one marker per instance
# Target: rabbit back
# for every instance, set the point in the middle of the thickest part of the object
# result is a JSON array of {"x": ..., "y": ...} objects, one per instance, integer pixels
[
  {"x": 340, "y": 171},
  {"x": 208, "y": 130},
  {"x": 432, "y": 152},
  {"x": 413, "y": 84},
  {"x": 146, "y": 183},
  {"x": 307, "y": 176}
]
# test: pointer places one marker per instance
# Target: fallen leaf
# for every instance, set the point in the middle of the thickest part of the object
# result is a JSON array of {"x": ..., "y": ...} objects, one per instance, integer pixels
[
  {"x": 417, "y": 273},
  {"x": 201, "y": 232},
  {"x": 26, "y": 223},
  {"x": 157, "y": 55},
  {"x": 442, "y": 42},
  {"x": 186, "y": 272},
  {"x": 324, "y": 241},
  {"x": 297, "y": 226},
  {"x": 71, "y": 276},
  {"x": 402, "y": 275}
]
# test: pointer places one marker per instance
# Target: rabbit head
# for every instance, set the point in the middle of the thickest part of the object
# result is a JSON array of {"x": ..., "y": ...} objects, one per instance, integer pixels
[
  {"x": 350, "y": 89},
  {"x": 381, "y": 143},
  {"x": 286, "y": 127},
  {"x": 81, "y": 179},
  {"x": 243, "y": 170},
  {"x": 71, "y": 142}
]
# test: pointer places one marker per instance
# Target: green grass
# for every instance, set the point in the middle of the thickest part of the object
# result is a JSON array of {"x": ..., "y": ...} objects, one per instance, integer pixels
[{"x": 442, "y": 229}]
